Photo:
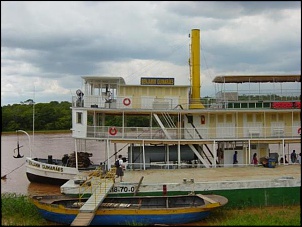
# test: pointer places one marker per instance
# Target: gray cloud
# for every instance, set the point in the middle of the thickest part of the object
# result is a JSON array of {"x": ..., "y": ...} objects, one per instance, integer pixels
[{"x": 48, "y": 46}]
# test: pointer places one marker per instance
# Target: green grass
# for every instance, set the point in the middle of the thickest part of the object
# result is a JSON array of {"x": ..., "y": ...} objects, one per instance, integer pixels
[
  {"x": 256, "y": 216},
  {"x": 17, "y": 210}
]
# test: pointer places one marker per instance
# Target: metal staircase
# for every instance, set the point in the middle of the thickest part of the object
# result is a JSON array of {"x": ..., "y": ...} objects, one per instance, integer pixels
[
  {"x": 195, "y": 148},
  {"x": 162, "y": 126},
  {"x": 207, "y": 153}
]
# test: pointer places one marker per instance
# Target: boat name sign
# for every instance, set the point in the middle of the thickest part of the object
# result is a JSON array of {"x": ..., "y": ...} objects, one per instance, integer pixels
[
  {"x": 44, "y": 166},
  {"x": 157, "y": 81}
]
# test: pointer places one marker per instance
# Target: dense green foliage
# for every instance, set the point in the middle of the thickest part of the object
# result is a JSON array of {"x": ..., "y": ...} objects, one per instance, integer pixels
[
  {"x": 57, "y": 116},
  {"x": 132, "y": 121},
  {"x": 48, "y": 116}
]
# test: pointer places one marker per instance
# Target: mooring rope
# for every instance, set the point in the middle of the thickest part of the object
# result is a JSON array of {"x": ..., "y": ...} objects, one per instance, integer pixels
[{"x": 4, "y": 176}]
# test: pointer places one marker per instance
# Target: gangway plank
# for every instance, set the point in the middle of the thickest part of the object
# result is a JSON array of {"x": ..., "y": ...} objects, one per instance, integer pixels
[
  {"x": 83, "y": 219},
  {"x": 87, "y": 211}
]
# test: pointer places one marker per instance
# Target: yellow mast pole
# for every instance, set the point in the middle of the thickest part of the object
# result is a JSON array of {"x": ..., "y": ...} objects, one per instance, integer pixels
[{"x": 195, "y": 72}]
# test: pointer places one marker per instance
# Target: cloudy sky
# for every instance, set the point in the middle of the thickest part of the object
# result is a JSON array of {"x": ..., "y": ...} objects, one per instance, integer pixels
[{"x": 46, "y": 47}]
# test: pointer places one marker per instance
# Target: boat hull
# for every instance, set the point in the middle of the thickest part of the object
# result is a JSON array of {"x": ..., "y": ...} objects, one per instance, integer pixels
[
  {"x": 44, "y": 179},
  {"x": 128, "y": 218},
  {"x": 253, "y": 192},
  {"x": 39, "y": 171},
  {"x": 116, "y": 211}
]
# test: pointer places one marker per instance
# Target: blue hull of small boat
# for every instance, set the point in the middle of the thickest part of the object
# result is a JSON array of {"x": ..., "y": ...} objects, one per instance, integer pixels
[{"x": 141, "y": 219}]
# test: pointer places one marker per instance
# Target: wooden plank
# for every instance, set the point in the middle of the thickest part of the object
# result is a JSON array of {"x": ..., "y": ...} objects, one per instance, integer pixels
[
  {"x": 83, "y": 219},
  {"x": 87, "y": 211},
  {"x": 96, "y": 198},
  {"x": 206, "y": 198}
]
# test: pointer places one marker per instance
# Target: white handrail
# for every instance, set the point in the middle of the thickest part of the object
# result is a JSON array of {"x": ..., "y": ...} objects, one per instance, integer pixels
[{"x": 28, "y": 140}]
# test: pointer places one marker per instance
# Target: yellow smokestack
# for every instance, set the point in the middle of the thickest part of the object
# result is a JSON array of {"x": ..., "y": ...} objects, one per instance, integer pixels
[{"x": 195, "y": 102}]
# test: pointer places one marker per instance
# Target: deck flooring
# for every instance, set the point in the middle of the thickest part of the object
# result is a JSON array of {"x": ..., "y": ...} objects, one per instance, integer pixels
[{"x": 238, "y": 173}]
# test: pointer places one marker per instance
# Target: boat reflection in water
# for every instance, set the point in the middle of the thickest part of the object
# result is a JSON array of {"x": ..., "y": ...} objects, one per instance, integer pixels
[{"x": 42, "y": 189}]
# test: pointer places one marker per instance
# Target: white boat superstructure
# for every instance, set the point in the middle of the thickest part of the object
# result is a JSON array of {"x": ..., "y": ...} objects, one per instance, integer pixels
[{"x": 163, "y": 125}]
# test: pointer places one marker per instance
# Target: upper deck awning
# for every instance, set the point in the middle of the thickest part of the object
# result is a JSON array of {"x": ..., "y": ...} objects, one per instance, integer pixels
[
  {"x": 104, "y": 79},
  {"x": 257, "y": 78}
]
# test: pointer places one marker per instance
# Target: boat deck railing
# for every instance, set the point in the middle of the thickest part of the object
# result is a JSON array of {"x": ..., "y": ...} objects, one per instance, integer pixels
[
  {"x": 224, "y": 131},
  {"x": 148, "y": 103},
  {"x": 95, "y": 177},
  {"x": 170, "y": 165}
]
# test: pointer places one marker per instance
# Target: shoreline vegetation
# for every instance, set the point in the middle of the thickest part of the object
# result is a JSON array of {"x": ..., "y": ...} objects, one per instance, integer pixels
[
  {"x": 38, "y": 132},
  {"x": 17, "y": 210}
]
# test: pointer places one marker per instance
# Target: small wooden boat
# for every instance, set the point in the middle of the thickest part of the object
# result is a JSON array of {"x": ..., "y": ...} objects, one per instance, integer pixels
[{"x": 132, "y": 210}]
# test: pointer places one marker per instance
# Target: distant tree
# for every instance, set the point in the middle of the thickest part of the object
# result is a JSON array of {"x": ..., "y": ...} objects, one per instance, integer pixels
[{"x": 47, "y": 116}]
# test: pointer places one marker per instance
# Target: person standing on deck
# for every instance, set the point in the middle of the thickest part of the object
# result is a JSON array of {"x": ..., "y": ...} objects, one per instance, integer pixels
[
  {"x": 255, "y": 160},
  {"x": 120, "y": 168},
  {"x": 235, "y": 160},
  {"x": 220, "y": 155},
  {"x": 286, "y": 159},
  {"x": 293, "y": 156},
  {"x": 281, "y": 159}
]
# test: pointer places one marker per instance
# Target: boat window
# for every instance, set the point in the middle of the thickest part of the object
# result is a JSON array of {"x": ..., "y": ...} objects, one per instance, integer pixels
[
  {"x": 229, "y": 118},
  {"x": 280, "y": 117},
  {"x": 79, "y": 117},
  {"x": 274, "y": 117},
  {"x": 296, "y": 117},
  {"x": 259, "y": 117},
  {"x": 220, "y": 118},
  {"x": 249, "y": 117}
]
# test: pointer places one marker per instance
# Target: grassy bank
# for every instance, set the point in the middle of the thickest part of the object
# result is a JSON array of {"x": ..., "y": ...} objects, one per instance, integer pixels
[
  {"x": 18, "y": 211},
  {"x": 260, "y": 216}
]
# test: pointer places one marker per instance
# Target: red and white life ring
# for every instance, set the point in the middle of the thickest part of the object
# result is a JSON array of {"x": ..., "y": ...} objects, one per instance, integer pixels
[
  {"x": 299, "y": 131},
  {"x": 126, "y": 101},
  {"x": 112, "y": 131}
]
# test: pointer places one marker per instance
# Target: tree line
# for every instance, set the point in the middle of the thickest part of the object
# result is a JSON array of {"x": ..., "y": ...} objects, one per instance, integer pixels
[
  {"x": 53, "y": 116},
  {"x": 47, "y": 116}
]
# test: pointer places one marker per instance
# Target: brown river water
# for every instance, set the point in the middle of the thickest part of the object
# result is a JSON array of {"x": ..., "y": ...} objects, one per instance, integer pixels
[{"x": 56, "y": 144}]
